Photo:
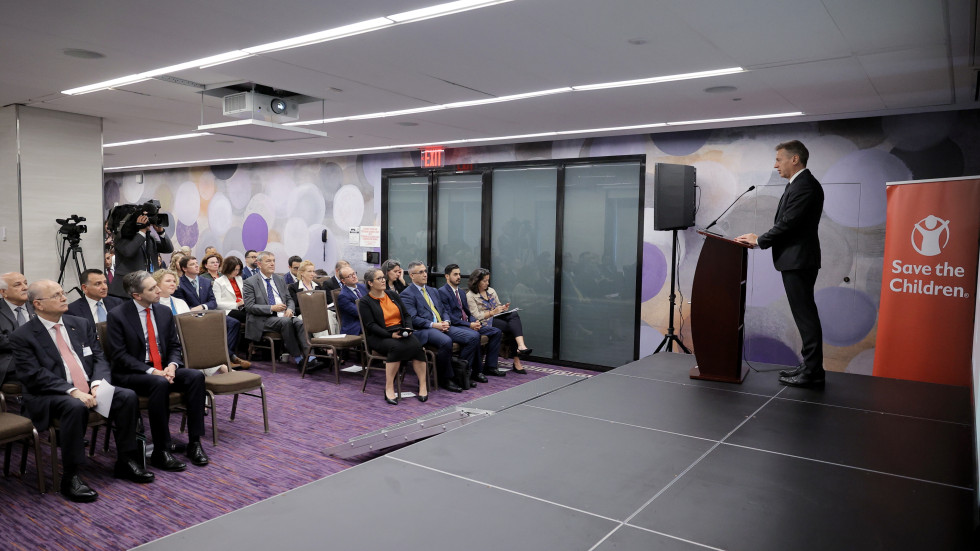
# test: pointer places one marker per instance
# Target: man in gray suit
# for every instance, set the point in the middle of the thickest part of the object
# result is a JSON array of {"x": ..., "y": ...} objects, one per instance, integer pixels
[
  {"x": 269, "y": 307},
  {"x": 15, "y": 310}
]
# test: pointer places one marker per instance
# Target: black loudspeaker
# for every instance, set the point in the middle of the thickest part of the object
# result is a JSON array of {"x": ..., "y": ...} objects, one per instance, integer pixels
[{"x": 673, "y": 196}]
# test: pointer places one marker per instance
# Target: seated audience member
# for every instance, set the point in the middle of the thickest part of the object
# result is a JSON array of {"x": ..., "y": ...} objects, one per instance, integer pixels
[
  {"x": 210, "y": 250},
  {"x": 334, "y": 283},
  {"x": 185, "y": 250},
  {"x": 384, "y": 318},
  {"x": 291, "y": 276},
  {"x": 394, "y": 275},
  {"x": 167, "y": 281},
  {"x": 212, "y": 266},
  {"x": 250, "y": 269},
  {"x": 486, "y": 307},
  {"x": 146, "y": 357},
  {"x": 228, "y": 288},
  {"x": 198, "y": 293},
  {"x": 347, "y": 299},
  {"x": 61, "y": 367},
  {"x": 269, "y": 307},
  {"x": 110, "y": 266},
  {"x": 422, "y": 304},
  {"x": 15, "y": 310},
  {"x": 174, "y": 265},
  {"x": 306, "y": 281},
  {"x": 455, "y": 305},
  {"x": 96, "y": 302}
]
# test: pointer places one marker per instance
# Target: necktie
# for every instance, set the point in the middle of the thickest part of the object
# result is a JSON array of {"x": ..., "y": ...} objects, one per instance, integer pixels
[
  {"x": 108, "y": 276},
  {"x": 151, "y": 341},
  {"x": 74, "y": 369},
  {"x": 173, "y": 307},
  {"x": 21, "y": 316},
  {"x": 435, "y": 313},
  {"x": 100, "y": 310},
  {"x": 357, "y": 293},
  {"x": 460, "y": 301},
  {"x": 197, "y": 288},
  {"x": 268, "y": 289}
]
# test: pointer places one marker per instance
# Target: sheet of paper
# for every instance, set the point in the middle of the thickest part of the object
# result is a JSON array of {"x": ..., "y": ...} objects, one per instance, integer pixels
[{"x": 103, "y": 399}]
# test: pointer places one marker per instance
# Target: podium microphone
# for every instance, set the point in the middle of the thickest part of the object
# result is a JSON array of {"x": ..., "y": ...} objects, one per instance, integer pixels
[{"x": 729, "y": 207}]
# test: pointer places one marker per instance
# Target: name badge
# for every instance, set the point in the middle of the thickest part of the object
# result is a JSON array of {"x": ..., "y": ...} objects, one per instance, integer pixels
[{"x": 86, "y": 351}]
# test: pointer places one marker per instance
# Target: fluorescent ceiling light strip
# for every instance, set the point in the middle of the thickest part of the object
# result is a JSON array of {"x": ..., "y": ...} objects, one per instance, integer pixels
[
  {"x": 732, "y": 119},
  {"x": 654, "y": 80},
  {"x": 160, "y": 139},
  {"x": 305, "y": 40},
  {"x": 443, "y": 9},
  {"x": 448, "y": 142}
]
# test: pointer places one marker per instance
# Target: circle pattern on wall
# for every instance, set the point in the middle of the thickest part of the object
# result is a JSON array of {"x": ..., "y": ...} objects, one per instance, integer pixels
[{"x": 255, "y": 232}]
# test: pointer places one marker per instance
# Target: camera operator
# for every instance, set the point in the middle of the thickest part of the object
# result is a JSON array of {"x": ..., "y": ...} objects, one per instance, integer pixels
[{"x": 137, "y": 250}]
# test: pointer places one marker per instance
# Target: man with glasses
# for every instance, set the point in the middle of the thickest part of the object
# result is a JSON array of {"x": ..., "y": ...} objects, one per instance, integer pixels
[
  {"x": 147, "y": 357},
  {"x": 62, "y": 369},
  {"x": 350, "y": 292},
  {"x": 250, "y": 268},
  {"x": 432, "y": 326}
]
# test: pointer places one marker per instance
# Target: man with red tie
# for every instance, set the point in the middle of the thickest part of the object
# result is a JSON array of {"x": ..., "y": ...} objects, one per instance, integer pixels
[
  {"x": 62, "y": 368},
  {"x": 146, "y": 357}
]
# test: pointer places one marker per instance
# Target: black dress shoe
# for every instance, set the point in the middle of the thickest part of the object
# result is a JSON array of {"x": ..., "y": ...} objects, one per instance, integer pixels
[
  {"x": 166, "y": 461},
  {"x": 450, "y": 386},
  {"x": 494, "y": 372},
  {"x": 75, "y": 490},
  {"x": 390, "y": 401},
  {"x": 131, "y": 470},
  {"x": 525, "y": 352},
  {"x": 195, "y": 452},
  {"x": 792, "y": 372},
  {"x": 806, "y": 379},
  {"x": 478, "y": 377},
  {"x": 519, "y": 371}
]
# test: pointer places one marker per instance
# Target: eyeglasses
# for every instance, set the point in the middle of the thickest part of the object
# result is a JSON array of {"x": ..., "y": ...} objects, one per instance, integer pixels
[{"x": 418, "y": 272}]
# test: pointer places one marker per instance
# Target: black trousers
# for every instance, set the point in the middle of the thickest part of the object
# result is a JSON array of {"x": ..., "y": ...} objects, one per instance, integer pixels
[
  {"x": 799, "y": 290},
  {"x": 73, "y": 416},
  {"x": 158, "y": 389}
]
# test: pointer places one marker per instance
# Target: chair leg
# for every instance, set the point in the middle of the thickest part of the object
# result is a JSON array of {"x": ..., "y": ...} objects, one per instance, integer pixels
[
  {"x": 38, "y": 462},
  {"x": 6, "y": 458},
  {"x": 336, "y": 365},
  {"x": 272, "y": 353},
  {"x": 265, "y": 409},
  {"x": 55, "y": 474},
  {"x": 95, "y": 441},
  {"x": 214, "y": 423},
  {"x": 367, "y": 370},
  {"x": 23, "y": 458}
]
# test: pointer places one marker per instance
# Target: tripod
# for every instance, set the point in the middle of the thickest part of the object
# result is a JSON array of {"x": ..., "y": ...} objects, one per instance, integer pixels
[
  {"x": 670, "y": 338},
  {"x": 72, "y": 247}
]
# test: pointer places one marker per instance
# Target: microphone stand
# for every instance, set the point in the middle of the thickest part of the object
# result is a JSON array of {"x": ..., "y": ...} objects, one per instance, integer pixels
[{"x": 715, "y": 221}]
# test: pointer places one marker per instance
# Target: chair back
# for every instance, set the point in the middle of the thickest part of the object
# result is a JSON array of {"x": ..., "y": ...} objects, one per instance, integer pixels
[
  {"x": 334, "y": 295},
  {"x": 313, "y": 304},
  {"x": 102, "y": 333},
  {"x": 204, "y": 338}
]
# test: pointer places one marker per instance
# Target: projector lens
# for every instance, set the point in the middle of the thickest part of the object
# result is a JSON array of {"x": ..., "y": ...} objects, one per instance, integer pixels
[{"x": 278, "y": 106}]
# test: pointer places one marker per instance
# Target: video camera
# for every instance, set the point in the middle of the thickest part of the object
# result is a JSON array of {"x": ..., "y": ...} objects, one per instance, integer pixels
[
  {"x": 122, "y": 219},
  {"x": 71, "y": 229}
]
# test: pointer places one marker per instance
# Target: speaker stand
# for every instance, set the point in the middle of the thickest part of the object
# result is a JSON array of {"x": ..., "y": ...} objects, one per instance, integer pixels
[{"x": 670, "y": 338}]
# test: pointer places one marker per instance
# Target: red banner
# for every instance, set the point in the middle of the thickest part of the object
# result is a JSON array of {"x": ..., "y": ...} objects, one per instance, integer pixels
[{"x": 929, "y": 281}]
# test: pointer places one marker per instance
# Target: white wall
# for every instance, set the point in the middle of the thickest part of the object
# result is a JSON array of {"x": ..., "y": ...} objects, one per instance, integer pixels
[{"x": 9, "y": 191}]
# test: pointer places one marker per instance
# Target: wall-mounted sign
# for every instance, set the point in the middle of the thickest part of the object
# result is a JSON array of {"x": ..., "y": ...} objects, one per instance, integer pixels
[{"x": 433, "y": 157}]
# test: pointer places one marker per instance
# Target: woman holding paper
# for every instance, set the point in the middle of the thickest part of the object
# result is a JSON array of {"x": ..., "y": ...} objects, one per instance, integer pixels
[{"x": 487, "y": 307}]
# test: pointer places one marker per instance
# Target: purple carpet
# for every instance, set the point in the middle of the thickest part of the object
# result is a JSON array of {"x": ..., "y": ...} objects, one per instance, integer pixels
[{"x": 305, "y": 416}]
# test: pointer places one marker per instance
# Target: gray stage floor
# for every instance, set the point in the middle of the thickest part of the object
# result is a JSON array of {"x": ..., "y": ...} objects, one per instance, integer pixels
[{"x": 644, "y": 458}]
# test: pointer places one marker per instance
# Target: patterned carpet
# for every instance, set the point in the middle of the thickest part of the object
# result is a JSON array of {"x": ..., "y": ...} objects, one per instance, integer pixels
[{"x": 305, "y": 416}]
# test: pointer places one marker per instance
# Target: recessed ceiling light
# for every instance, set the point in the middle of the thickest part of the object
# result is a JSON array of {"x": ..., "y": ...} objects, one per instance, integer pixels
[
  {"x": 407, "y": 123},
  {"x": 82, "y": 54},
  {"x": 637, "y": 41},
  {"x": 720, "y": 89}
]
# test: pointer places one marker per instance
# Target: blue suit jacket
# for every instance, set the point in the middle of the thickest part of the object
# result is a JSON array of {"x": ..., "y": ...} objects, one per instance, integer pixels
[
  {"x": 204, "y": 296},
  {"x": 80, "y": 309},
  {"x": 347, "y": 302},
  {"x": 419, "y": 309},
  {"x": 125, "y": 332},
  {"x": 451, "y": 305}
]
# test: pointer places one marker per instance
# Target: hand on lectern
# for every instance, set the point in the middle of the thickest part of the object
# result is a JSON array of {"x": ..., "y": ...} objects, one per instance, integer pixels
[{"x": 748, "y": 239}]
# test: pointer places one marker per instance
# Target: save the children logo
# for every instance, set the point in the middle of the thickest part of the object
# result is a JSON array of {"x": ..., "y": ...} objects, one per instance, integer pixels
[{"x": 927, "y": 235}]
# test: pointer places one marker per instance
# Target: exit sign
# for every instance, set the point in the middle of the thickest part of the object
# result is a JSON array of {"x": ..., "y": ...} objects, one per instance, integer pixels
[{"x": 433, "y": 157}]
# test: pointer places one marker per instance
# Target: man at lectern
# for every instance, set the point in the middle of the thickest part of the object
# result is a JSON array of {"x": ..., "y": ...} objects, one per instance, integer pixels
[{"x": 796, "y": 255}]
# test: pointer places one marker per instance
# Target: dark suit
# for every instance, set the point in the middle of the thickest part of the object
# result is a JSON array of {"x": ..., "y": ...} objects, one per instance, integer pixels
[
  {"x": 128, "y": 353},
  {"x": 422, "y": 319},
  {"x": 205, "y": 296},
  {"x": 796, "y": 254},
  {"x": 260, "y": 316},
  {"x": 379, "y": 338},
  {"x": 347, "y": 306},
  {"x": 81, "y": 309},
  {"x": 330, "y": 284},
  {"x": 136, "y": 253},
  {"x": 248, "y": 272},
  {"x": 454, "y": 302},
  {"x": 43, "y": 374},
  {"x": 8, "y": 324}
]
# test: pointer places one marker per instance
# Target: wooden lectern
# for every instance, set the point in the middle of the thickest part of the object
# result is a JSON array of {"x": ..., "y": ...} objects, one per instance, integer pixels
[{"x": 718, "y": 310}]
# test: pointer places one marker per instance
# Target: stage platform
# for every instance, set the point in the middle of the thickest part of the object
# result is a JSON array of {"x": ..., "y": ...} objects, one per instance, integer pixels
[{"x": 644, "y": 458}]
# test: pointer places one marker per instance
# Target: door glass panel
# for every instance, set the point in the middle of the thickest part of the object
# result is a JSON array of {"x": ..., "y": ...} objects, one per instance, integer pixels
[
  {"x": 458, "y": 222},
  {"x": 408, "y": 219}
]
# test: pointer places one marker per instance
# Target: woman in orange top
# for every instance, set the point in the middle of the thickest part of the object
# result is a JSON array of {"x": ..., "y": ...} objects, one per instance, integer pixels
[{"x": 385, "y": 319}]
